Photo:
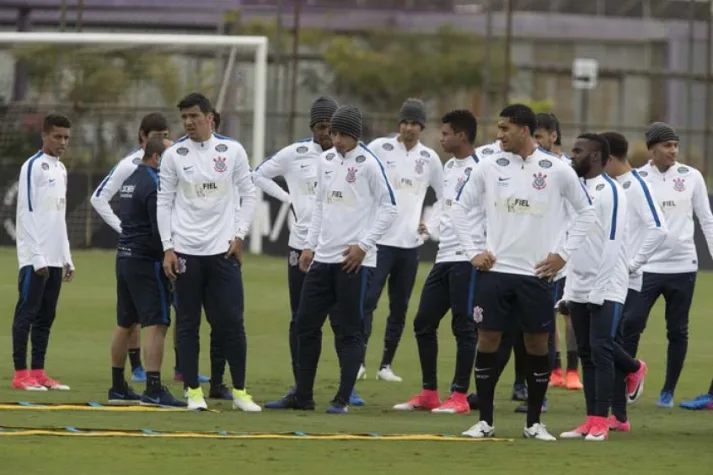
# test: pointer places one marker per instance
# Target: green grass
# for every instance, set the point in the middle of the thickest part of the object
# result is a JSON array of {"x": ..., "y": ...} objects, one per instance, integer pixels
[{"x": 663, "y": 440}]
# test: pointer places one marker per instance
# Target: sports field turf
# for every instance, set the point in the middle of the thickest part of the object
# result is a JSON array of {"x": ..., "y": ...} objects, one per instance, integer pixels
[{"x": 663, "y": 440}]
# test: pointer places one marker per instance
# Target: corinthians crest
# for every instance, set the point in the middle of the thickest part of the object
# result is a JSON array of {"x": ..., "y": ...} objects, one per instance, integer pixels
[
  {"x": 219, "y": 164},
  {"x": 539, "y": 182},
  {"x": 419, "y": 166},
  {"x": 351, "y": 175},
  {"x": 679, "y": 184}
]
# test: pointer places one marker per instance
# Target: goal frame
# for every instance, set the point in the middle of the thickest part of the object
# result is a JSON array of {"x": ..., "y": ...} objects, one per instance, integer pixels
[{"x": 257, "y": 43}]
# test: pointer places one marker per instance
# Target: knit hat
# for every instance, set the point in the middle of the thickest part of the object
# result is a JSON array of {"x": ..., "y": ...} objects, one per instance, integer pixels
[
  {"x": 659, "y": 132},
  {"x": 413, "y": 110},
  {"x": 322, "y": 110},
  {"x": 347, "y": 120}
]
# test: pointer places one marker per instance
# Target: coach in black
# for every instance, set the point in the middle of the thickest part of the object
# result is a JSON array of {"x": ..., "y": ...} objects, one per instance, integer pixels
[{"x": 142, "y": 289}]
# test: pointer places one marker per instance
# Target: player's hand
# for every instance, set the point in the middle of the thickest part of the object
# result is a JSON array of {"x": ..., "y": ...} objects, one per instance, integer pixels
[
  {"x": 423, "y": 229},
  {"x": 550, "y": 266},
  {"x": 353, "y": 257},
  {"x": 306, "y": 259},
  {"x": 170, "y": 264},
  {"x": 562, "y": 307},
  {"x": 43, "y": 272},
  {"x": 236, "y": 249},
  {"x": 484, "y": 261},
  {"x": 68, "y": 273}
]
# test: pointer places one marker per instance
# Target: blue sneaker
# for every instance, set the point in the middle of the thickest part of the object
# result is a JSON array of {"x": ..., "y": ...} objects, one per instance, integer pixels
[
  {"x": 203, "y": 379},
  {"x": 178, "y": 376},
  {"x": 701, "y": 403},
  {"x": 220, "y": 392},
  {"x": 665, "y": 399},
  {"x": 138, "y": 375},
  {"x": 519, "y": 393},
  {"x": 162, "y": 399},
  {"x": 337, "y": 408},
  {"x": 124, "y": 396},
  {"x": 522, "y": 408},
  {"x": 285, "y": 402},
  {"x": 355, "y": 400}
]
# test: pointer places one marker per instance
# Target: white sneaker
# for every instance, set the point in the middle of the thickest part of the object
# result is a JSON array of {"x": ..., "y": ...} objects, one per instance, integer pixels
[
  {"x": 387, "y": 374},
  {"x": 195, "y": 399},
  {"x": 243, "y": 401},
  {"x": 537, "y": 431},
  {"x": 362, "y": 372},
  {"x": 480, "y": 430}
]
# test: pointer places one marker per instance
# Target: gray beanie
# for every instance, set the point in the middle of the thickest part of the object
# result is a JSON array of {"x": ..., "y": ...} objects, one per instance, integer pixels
[
  {"x": 322, "y": 110},
  {"x": 413, "y": 110},
  {"x": 347, "y": 120},
  {"x": 659, "y": 132}
]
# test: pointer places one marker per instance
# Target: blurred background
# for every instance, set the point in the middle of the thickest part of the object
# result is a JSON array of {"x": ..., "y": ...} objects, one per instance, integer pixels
[{"x": 652, "y": 61}]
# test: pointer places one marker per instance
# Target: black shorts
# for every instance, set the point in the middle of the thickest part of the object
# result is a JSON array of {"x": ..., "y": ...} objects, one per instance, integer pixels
[
  {"x": 504, "y": 300},
  {"x": 143, "y": 293},
  {"x": 559, "y": 288}
]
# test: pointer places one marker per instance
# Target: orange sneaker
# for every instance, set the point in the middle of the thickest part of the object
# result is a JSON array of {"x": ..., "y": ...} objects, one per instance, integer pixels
[
  {"x": 618, "y": 426},
  {"x": 427, "y": 400},
  {"x": 578, "y": 432},
  {"x": 556, "y": 379},
  {"x": 22, "y": 380},
  {"x": 599, "y": 429},
  {"x": 49, "y": 383},
  {"x": 572, "y": 380},
  {"x": 456, "y": 404}
]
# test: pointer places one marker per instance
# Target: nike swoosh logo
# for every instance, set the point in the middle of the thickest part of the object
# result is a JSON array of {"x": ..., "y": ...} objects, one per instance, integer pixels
[
  {"x": 537, "y": 375},
  {"x": 153, "y": 400},
  {"x": 503, "y": 179},
  {"x": 328, "y": 173},
  {"x": 187, "y": 168}
]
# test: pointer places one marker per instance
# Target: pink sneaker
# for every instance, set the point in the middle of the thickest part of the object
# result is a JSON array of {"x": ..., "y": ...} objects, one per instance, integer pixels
[
  {"x": 618, "y": 426},
  {"x": 427, "y": 400},
  {"x": 635, "y": 383},
  {"x": 44, "y": 380},
  {"x": 456, "y": 404},
  {"x": 22, "y": 380},
  {"x": 599, "y": 430},
  {"x": 578, "y": 432}
]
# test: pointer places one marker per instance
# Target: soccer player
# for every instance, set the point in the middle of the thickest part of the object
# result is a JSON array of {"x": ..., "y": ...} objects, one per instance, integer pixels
[
  {"x": 206, "y": 201},
  {"x": 152, "y": 125},
  {"x": 450, "y": 283},
  {"x": 516, "y": 195},
  {"x": 412, "y": 168},
  {"x": 354, "y": 207},
  {"x": 143, "y": 290},
  {"x": 42, "y": 252},
  {"x": 547, "y": 135},
  {"x": 671, "y": 271},
  {"x": 646, "y": 231},
  {"x": 597, "y": 281}
]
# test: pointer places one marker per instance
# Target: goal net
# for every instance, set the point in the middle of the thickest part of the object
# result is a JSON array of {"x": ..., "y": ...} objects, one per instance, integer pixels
[{"x": 105, "y": 83}]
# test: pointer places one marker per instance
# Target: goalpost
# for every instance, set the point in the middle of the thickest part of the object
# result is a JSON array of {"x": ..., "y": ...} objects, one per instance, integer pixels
[{"x": 105, "y": 82}]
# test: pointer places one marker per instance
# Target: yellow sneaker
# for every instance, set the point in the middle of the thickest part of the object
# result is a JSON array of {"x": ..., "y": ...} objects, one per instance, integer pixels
[
  {"x": 243, "y": 401},
  {"x": 195, "y": 399}
]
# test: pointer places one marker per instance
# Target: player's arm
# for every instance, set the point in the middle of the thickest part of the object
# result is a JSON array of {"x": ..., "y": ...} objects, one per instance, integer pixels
[
  {"x": 166, "y": 197},
  {"x": 435, "y": 181},
  {"x": 28, "y": 197},
  {"x": 702, "y": 208},
  {"x": 245, "y": 206},
  {"x": 271, "y": 167},
  {"x": 151, "y": 208},
  {"x": 107, "y": 189},
  {"x": 584, "y": 213},
  {"x": 612, "y": 208},
  {"x": 384, "y": 199},
  {"x": 656, "y": 230},
  {"x": 468, "y": 216},
  {"x": 66, "y": 251}
]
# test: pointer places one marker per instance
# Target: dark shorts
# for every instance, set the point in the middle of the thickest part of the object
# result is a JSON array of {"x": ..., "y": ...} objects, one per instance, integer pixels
[
  {"x": 143, "y": 294},
  {"x": 559, "y": 288},
  {"x": 502, "y": 301}
]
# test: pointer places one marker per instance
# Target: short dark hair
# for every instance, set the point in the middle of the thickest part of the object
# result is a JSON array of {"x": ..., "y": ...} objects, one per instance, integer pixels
[
  {"x": 618, "y": 145},
  {"x": 602, "y": 143},
  {"x": 546, "y": 121},
  {"x": 558, "y": 140},
  {"x": 216, "y": 119},
  {"x": 55, "y": 120},
  {"x": 196, "y": 99},
  {"x": 155, "y": 145},
  {"x": 153, "y": 122},
  {"x": 462, "y": 120},
  {"x": 520, "y": 114}
]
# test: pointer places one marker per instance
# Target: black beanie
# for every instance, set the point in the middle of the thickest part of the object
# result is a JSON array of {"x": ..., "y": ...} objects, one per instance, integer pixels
[
  {"x": 322, "y": 110},
  {"x": 413, "y": 110},
  {"x": 347, "y": 120},
  {"x": 659, "y": 132}
]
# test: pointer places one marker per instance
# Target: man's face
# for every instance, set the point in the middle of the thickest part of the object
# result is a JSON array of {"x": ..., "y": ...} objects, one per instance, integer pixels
[
  {"x": 584, "y": 155},
  {"x": 545, "y": 138},
  {"x": 197, "y": 124},
  {"x": 511, "y": 136},
  {"x": 664, "y": 154},
  {"x": 320, "y": 134},
  {"x": 450, "y": 140},
  {"x": 409, "y": 131},
  {"x": 55, "y": 141},
  {"x": 343, "y": 143}
]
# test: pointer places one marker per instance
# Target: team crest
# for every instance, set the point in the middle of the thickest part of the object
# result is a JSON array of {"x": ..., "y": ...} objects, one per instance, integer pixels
[
  {"x": 419, "y": 166},
  {"x": 181, "y": 265},
  {"x": 467, "y": 171},
  {"x": 424, "y": 153},
  {"x": 221, "y": 147},
  {"x": 626, "y": 185},
  {"x": 351, "y": 175},
  {"x": 679, "y": 184},
  {"x": 45, "y": 167},
  {"x": 360, "y": 159},
  {"x": 136, "y": 161},
  {"x": 477, "y": 314},
  {"x": 294, "y": 258},
  {"x": 460, "y": 183},
  {"x": 539, "y": 182},
  {"x": 183, "y": 151},
  {"x": 388, "y": 147},
  {"x": 219, "y": 164}
]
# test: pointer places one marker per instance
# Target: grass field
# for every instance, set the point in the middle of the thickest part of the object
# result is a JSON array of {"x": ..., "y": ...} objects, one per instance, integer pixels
[{"x": 663, "y": 440}]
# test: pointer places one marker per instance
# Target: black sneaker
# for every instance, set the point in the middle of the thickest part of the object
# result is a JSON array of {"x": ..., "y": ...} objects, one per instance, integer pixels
[
  {"x": 123, "y": 396},
  {"x": 162, "y": 399},
  {"x": 220, "y": 392}
]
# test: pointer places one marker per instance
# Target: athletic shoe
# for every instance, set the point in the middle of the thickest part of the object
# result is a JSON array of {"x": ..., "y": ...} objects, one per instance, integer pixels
[
  {"x": 522, "y": 408},
  {"x": 23, "y": 380},
  {"x": 162, "y": 399},
  {"x": 556, "y": 379},
  {"x": 220, "y": 392},
  {"x": 473, "y": 401},
  {"x": 138, "y": 375},
  {"x": 519, "y": 392},
  {"x": 665, "y": 399},
  {"x": 337, "y": 407},
  {"x": 635, "y": 383},
  {"x": 284, "y": 402},
  {"x": 201, "y": 379},
  {"x": 362, "y": 372},
  {"x": 704, "y": 402},
  {"x": 44, "y": 380},
  {"x": 427, "y": 400},
  {"x": 599, "y": 430},
  {"x": 457, "y": 403},
  {"x": 480, "y": 430},
  {"x": 123, "y": 396},
  {"x": 355, "y": 399},
  {"x": 387, "y": 374},
  {"x": 539, "y": 432},
  {"x": 243, "y": 401},
  {"x": 572, "y": 381},
  {"x": 196, "y": 401},
  {"x": 618, "y": 426},
  {"x": 578, "y": 432}
]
